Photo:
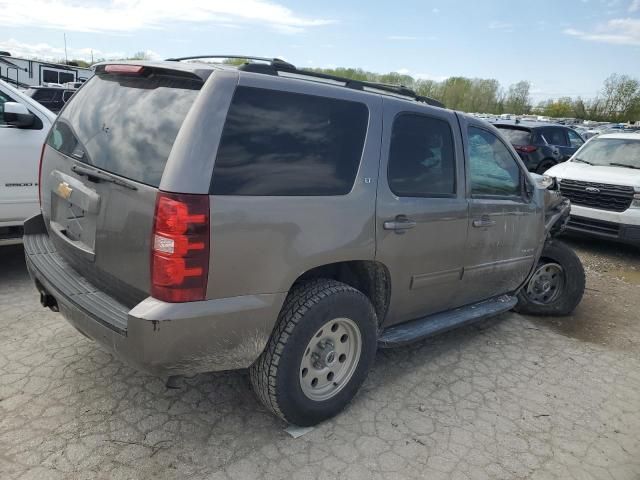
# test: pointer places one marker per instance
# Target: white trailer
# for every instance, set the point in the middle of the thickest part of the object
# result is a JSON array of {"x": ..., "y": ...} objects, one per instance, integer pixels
[{"x": 25, "y": 73}]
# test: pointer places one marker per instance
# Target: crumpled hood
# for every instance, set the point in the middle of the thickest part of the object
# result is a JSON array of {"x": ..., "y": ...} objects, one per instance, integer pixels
[{"x": 588, "y": 173}]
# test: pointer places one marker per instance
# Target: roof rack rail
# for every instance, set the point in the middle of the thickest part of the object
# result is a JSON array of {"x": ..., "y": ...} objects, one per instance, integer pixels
[
  {"x": 274, "y": 65},
  {"x": 400, "y": 90}
]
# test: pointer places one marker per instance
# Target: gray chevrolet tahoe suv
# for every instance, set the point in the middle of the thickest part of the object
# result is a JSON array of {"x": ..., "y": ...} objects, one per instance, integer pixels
[{"x": 201, "y": 217}]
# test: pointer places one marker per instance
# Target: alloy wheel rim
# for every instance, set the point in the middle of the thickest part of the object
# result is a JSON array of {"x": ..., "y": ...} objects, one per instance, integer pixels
[{"x": 330, "y": 359}]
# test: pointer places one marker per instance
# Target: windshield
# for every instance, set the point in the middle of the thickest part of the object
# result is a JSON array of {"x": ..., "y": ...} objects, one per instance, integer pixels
[
  {"x": 516, "y": 136},
  {"x": 608, "y": 151},
  {"x": 125, "y": 125}
]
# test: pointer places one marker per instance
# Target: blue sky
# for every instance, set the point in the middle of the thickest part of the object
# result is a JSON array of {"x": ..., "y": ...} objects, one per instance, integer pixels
[{"x": 564, "y": 47}]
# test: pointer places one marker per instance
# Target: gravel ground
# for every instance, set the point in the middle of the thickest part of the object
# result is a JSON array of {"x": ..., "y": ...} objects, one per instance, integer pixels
[{"x": 510, "y": 398}]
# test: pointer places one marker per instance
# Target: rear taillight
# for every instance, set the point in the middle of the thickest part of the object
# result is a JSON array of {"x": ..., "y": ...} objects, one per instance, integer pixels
[
  {"x": 40, "y": 174},
  {"x": 180, "y": 247},
  {"x": 525, "y": 148}
]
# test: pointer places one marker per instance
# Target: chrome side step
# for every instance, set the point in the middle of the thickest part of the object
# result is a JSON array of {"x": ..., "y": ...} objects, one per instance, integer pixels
[{"x": 415, "y": 330}]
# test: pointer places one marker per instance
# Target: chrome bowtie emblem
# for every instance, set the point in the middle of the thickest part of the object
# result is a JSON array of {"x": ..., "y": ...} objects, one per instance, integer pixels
[{"x": 592, "y": 190}]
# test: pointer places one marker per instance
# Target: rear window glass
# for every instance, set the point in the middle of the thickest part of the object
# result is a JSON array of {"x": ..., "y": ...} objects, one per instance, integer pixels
[
  {"x": 280, "y": 144},
  {"x": 516, "y": 136},
  {"x": 555, "y": 136},
  {"x": 125, "y": 124},
  {"x": 41, "y": 94}
]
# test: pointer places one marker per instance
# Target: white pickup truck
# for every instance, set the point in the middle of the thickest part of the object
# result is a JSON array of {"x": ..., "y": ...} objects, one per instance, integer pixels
[{"x": 24, "y": 125}]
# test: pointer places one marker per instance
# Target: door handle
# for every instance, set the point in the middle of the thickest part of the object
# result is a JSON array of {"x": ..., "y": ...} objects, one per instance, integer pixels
[
  {"x": 399, "y": 224},
  {"x": 483, "y": 222}
]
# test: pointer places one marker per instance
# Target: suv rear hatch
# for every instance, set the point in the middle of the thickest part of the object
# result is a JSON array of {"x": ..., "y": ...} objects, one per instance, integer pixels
[{"x": 101, "y": 169}]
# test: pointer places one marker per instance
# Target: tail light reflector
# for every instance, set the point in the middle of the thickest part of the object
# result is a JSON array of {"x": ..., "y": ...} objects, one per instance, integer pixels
[
  {"x": 525, "y": 148},
  {"x": 180, "y": 247}
]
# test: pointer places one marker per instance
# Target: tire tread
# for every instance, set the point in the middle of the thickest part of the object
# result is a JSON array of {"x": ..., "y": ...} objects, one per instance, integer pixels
[{"x": 301, "y": 299}]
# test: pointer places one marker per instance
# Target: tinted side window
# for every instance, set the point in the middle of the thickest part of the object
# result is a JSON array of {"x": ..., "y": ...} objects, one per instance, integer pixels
[
  {"x": 66, "y": 77},
  {"x": 493, "y": 170},
  {"x": 49, "y": 76},
  {"x": 421, "y": 157},
  {"x": 280, "y": 143},
  {"x": 67, "y": 95},
  {"x": 574, "y": 139},
  {"x": 555, "y": 136}
]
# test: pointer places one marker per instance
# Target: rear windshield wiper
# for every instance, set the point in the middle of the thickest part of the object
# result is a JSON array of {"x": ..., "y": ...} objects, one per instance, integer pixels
[
  {"x": 100, "y": 175},
  {"x": 624, "y": 165},
  {"x": 581, "y": 161}
]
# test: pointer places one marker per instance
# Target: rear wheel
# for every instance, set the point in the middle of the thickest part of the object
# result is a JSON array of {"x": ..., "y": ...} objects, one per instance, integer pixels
[
  {"x": 319, "y": 354},
  {"x": 544, "y": 166},
  {"x": 557, "y": 284}
]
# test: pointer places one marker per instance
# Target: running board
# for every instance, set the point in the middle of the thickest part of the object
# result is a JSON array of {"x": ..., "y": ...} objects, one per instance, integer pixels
[{"x": 415, "y": 330}]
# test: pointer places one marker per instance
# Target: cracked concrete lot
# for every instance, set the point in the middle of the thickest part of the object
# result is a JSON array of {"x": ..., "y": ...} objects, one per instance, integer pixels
[{"x": 510, "y": 398}]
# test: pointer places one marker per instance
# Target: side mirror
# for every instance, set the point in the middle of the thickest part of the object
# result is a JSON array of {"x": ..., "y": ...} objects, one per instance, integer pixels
[{"x": 17, "y": 115}]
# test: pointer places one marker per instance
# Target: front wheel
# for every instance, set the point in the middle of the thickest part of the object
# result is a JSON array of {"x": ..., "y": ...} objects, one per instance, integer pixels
[
  {"x": 319, "y": 354},
  {"x": 557, "y": 284}
]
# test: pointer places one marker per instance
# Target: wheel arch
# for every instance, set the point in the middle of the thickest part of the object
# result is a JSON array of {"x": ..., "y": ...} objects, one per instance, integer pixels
[{"x": 372, "y": 278}]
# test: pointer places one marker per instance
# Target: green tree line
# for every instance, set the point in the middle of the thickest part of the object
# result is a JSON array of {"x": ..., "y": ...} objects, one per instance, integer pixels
[
  {"x": 618, "y": 100},
  {"x": 483, "y": 95}
]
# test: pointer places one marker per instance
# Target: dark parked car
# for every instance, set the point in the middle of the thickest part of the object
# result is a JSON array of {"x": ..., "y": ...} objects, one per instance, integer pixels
[
  {"x": 541, "y": 145},
  {"x": 53, "y": 98}
]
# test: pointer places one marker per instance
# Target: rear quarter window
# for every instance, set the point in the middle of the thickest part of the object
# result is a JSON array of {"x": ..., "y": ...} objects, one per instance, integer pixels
[{"x": 288, "y": 144}]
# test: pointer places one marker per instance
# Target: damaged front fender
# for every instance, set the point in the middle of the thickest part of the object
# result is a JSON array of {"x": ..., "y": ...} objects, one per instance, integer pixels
[{"x": 556, "y": 213}]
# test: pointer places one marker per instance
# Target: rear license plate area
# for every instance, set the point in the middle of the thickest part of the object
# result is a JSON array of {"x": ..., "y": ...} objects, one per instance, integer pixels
[{"x": 74, "y": 210}]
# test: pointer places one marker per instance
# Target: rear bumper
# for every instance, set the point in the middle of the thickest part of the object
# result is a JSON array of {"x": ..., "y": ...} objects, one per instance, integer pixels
[
  {"x": 157, "y": 337},
  {"x": 617, "y": 232}
]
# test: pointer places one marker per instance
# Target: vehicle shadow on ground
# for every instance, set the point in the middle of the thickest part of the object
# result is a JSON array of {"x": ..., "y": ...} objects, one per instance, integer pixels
[{"x": 12, "y": 265}]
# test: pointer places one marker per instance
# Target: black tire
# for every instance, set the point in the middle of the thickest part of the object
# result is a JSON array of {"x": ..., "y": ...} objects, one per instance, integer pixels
[
  {"x": 544, "y": 166},
  {"x": 308, "y": 307},
  {"x": 567, "y": 299}
]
